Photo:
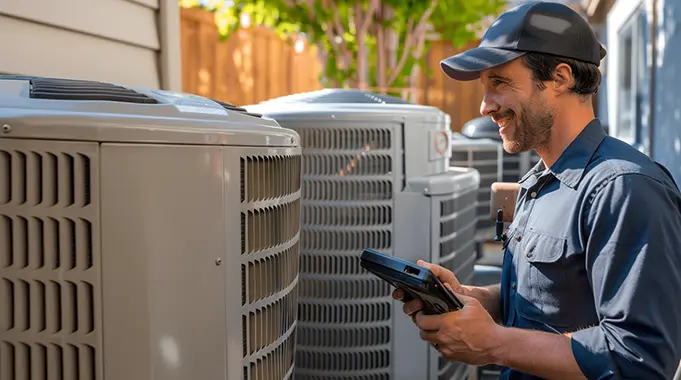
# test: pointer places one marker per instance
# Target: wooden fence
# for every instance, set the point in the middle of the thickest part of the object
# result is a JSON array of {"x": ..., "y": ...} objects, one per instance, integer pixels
[
  {"x": 252, "y": 65},
  {"x": 255, "y": 65}
]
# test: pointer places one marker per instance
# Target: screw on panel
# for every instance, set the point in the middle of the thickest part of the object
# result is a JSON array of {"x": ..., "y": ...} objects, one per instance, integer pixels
[
  {"x": 6, "y": 128},
  {"x": 218, "y": 261}
]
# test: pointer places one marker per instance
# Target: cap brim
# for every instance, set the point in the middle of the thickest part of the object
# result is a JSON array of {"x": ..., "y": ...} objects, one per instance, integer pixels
[{"x": 467, "y": 66}]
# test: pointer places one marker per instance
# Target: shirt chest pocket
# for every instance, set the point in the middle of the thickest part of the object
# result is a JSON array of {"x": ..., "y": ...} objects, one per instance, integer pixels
[{"x": 544, "y": 287}]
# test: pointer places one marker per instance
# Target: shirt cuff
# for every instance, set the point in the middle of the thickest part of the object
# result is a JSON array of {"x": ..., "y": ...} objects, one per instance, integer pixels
[{"x": 590, "y": 348}]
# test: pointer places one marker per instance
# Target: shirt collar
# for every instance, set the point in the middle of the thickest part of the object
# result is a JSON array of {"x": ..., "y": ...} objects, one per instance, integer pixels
[{"x": 569, "y": 168}]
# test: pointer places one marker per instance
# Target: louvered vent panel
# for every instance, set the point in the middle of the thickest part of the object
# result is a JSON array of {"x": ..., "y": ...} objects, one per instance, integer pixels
[
  {"x": 378, "y": 376},
  {"x": 346, "y": 361},
  {"x": 457, "y": 233},
  {"x": 450, "y": 370},
  {"x": 456, "y": 247},
  {"x": 70, "y": 89},
  {"x": 270, "y": 223},
  {"x": 49, "y": 261},
  {"x": 347, "y": 205},
  {"x": 355, "y": 140},
  {"x": 485, "y": 158},
  {"x": 343, "y": 337}
]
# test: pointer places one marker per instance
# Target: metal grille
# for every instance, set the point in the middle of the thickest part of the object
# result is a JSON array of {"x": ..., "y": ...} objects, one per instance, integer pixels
[
  {"x": 270, "y": 221},
  {"x": 347, "y": 205},
  {"x": 49, "y": 261},
  {"x": 449, "y": 370},
  {"x": 457, "y": 234},
  {"x": 484, "y": 156},
  {"x": 457, "y": 215},
  {"x": 70, "y": 89}
]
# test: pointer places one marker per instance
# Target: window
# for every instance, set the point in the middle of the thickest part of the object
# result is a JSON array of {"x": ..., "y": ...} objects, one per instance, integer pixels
[{"x": 630, "y": 80}]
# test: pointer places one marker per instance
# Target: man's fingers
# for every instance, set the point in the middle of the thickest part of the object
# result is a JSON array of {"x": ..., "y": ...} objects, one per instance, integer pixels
[
  {"x": 412, "y": 306},
  {"x": 443, "y": 274},
  {"x": 436, "y": 269},
  {"x": 429, "y": 322},
  {"x": 398, "y": 294},
  {"x": 430, "y": 336}
]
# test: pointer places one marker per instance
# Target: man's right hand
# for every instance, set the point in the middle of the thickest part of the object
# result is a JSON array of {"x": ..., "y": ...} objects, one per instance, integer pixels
[{"x": 489, "y": 297}]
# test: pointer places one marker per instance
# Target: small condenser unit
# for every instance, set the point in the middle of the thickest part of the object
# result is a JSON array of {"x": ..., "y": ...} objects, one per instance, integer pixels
[
  {"x": 485, "y": 156},
  {"x": 376, "y": 174},
  {"x": 144, "y": 235}
]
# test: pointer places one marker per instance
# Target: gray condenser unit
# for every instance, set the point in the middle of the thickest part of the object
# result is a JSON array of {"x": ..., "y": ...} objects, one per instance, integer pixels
[
  {"x": 485, "y": 156},
  {"x": 144, "y": 235},
  {"x": 514, "y": 165},
  {"x": 376, "y": 175}
]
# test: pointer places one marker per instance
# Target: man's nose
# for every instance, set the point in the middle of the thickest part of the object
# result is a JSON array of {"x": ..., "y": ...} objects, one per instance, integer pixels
[{"x": 488, "y": 106}]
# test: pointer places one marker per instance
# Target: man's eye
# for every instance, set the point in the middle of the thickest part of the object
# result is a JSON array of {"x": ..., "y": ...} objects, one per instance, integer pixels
[{"x": 496, "y": 82}]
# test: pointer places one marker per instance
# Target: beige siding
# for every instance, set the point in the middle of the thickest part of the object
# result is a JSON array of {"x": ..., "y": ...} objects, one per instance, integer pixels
[{"x": 130, "y": 42}]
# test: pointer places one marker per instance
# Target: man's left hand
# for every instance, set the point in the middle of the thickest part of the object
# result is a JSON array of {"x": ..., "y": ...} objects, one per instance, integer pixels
[{"x": 468, "y": 335}]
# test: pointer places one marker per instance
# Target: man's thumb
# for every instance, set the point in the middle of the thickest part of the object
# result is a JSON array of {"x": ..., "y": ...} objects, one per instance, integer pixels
[
  {"x": 433, "y": 268},
  {"x": 462, "y": 297}
]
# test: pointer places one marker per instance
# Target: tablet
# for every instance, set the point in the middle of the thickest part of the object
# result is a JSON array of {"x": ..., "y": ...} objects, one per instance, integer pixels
[{"x": 416, "y": 281}]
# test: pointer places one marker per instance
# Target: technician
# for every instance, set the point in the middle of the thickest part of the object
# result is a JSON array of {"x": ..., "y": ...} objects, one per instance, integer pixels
[{"x": 591, "y": 279}]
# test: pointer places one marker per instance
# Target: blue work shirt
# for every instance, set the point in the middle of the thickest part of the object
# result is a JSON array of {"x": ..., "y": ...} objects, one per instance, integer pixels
[{"x": 595, "y": 249}]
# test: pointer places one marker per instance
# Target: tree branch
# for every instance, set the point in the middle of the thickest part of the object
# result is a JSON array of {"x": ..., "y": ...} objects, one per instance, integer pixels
[
  {"x": 405, "y": 53},
  {"x": 381, "y": 47},
  {"x": 328, "y": 30},
  {"x": 347, "y": 57},
  {"x": 369, "y": 16},
  {"x": 423, "y": 22},
  {"x": 336, "y": 18},
  {"x": 409, "y": 40}
]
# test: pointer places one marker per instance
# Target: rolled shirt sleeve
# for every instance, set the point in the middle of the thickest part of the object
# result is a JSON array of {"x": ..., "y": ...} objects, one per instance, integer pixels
[{"x": 633, "y": 261}]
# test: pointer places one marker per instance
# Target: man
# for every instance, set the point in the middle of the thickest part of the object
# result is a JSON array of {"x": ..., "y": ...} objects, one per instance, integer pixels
[{"x": 592, "y": 269}]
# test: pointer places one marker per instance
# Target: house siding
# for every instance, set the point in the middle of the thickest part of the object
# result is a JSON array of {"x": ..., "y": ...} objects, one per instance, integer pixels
[{"x": 131, "y": 42}]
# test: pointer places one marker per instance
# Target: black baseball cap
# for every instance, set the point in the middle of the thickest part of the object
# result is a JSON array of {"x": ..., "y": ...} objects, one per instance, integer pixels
[{"x": 539, "y": 27}]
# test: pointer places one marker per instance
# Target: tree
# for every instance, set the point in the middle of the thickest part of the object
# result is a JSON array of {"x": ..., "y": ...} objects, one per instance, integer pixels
[{"x": 363, "y": 43}]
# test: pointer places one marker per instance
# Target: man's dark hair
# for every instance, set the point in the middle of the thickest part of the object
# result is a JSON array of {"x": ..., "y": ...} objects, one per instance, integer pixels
[{"x": 587, "y": 75}]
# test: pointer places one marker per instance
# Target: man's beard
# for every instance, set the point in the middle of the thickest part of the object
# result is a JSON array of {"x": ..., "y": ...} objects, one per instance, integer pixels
[{"x": 530, "y": 131}]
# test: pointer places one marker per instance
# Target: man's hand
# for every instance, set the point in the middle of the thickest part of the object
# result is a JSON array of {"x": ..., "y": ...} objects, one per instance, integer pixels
[
  {"x": 489, "y": 297},
  {"x": 469, "y": 335}
]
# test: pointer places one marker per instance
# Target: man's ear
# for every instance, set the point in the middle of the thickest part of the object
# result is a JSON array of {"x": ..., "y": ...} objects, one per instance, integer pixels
[{"x": 562, "y": 78}]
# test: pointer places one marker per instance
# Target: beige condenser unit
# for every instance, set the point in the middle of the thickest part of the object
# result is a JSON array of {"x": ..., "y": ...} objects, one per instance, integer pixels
[{"x": 144, "y": 235}]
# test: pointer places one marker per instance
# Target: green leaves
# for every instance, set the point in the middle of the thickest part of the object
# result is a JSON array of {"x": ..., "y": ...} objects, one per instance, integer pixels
[{"x": 389, "y": 54}]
